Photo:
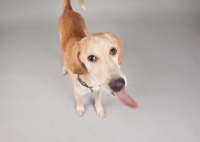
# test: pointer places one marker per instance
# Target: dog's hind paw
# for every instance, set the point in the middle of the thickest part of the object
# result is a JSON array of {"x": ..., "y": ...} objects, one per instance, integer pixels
[{"x": 64, "y": 71}]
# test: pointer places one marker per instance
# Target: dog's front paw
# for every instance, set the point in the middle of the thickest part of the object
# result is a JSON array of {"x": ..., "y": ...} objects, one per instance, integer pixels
[
  {"x": 100, "y": 111},
  {"x": 80, "y": 111}
]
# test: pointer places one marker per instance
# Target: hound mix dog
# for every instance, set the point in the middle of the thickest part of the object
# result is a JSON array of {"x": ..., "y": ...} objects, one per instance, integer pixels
[{"x": 92, "y": 61}]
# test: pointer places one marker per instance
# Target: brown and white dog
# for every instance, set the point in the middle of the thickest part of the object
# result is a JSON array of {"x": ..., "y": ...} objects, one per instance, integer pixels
[{"x": 92, "y": 61}]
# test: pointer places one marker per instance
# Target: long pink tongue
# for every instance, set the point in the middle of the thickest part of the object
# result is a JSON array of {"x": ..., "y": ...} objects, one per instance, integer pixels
[{"x": 125, "y": 99}]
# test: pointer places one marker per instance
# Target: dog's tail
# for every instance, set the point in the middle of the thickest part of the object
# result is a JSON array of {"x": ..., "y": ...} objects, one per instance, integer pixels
[
  {"x": 82, "y": 3},
  {"x": 67, "y": 4}
]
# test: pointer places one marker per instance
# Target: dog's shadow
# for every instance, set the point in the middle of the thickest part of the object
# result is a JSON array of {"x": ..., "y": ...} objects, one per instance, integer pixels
[{"x": 89, "y": 101}]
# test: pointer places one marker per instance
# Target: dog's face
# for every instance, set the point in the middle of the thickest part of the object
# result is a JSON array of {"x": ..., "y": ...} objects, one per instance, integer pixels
[{"x": 100, "y": 55}]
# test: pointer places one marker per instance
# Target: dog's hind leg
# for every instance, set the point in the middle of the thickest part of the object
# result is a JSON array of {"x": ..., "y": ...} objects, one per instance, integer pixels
[
  {"x": 64, "y": 70},
  {"x": 98, "y": 105}
]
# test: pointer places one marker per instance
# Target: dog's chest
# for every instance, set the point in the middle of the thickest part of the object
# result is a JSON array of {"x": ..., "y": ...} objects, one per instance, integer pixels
[{"x": 95, "y": 85}]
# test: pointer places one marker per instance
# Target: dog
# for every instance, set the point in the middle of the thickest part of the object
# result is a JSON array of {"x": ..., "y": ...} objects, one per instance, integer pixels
[{"x": 92, "y": 61}]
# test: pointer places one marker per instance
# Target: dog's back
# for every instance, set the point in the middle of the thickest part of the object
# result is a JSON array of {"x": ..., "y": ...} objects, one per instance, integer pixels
[{"x": 71, "y": 26}]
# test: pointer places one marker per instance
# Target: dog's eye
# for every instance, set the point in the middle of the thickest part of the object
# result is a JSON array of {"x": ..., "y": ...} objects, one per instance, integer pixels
[
  {"x": 113, "y": 51},
  {"x": 92, "y": 58}
]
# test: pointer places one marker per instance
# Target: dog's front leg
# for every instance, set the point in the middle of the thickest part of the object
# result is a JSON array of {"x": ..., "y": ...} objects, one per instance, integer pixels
[
  {"x": 79, "y": 103},
  {"x": 98, "y": 105}
]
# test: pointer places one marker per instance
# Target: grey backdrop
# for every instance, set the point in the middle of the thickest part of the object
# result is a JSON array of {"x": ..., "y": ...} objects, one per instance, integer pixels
[{"x": 161, "y": 61}]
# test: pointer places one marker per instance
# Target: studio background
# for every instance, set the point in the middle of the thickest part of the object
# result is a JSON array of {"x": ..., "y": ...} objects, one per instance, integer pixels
[{"x": 161, "y": 53}]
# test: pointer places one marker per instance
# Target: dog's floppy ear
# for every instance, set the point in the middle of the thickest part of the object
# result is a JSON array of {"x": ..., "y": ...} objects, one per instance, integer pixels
[
  {"x": 72, "y": 60},
  {"x": 119, "y": 45}
]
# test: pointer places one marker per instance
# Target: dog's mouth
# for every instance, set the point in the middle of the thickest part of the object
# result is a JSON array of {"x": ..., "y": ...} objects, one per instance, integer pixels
[{"x": 125, "y": 99}]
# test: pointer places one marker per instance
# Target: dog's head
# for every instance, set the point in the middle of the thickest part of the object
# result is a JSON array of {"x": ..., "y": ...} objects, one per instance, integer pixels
[{"x": 100, "y": 55}]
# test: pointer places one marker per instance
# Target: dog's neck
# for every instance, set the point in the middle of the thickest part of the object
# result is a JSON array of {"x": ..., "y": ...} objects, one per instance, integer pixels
[
  {"x": 92, "y": 83},
  {"x": 83, "y": 83}
]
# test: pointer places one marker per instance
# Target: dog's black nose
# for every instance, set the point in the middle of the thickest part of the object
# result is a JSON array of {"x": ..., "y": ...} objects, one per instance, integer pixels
[{"x": 117, "y": 84}]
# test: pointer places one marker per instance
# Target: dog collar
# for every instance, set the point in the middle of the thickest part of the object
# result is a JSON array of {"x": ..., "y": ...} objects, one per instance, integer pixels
[{"x": 83, "y": 83}]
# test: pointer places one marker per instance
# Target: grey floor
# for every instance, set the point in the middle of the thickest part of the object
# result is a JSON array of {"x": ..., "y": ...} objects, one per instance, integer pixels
[{"x": 161, "y": 61}]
